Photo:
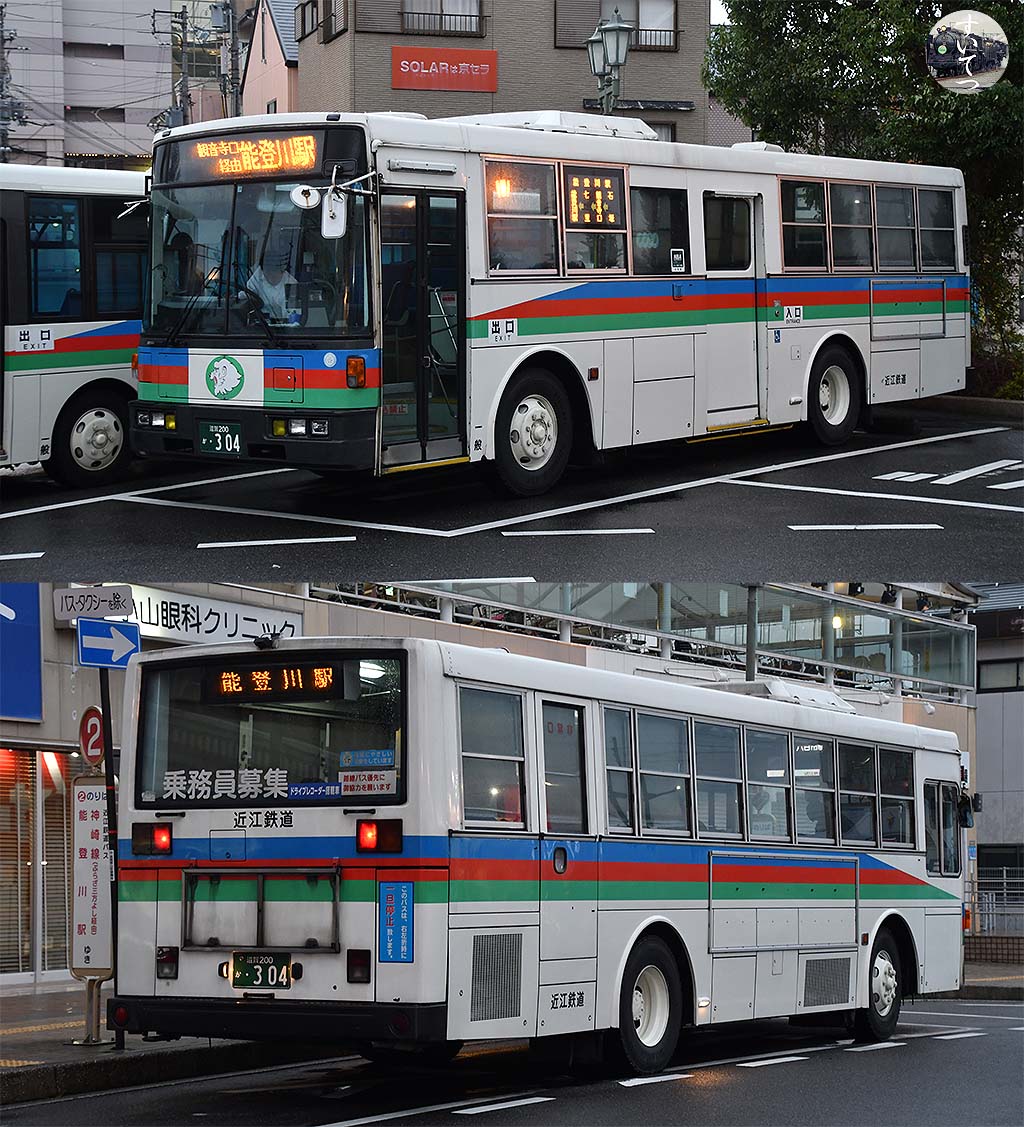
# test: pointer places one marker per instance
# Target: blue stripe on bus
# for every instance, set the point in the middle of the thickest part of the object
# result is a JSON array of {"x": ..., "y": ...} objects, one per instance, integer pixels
[
  {"x": 117, "y": 329},
  {"x": 286, "y": 847}
]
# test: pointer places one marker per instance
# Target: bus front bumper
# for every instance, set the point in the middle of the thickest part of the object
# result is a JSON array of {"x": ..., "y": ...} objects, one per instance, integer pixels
[
  {"x": 273, "y": 1019},
  {"x": 247, "y": 434}
]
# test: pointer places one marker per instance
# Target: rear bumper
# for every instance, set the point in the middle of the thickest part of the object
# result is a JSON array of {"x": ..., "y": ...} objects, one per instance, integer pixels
[
  {"x": 262, "y": 1019},
  {"x": 351, "y": 444}
]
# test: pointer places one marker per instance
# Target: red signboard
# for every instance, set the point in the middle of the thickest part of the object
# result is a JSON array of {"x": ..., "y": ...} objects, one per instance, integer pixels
[
  {"x": 443, "y": 68},
  {"x": 90, "y": 736}
]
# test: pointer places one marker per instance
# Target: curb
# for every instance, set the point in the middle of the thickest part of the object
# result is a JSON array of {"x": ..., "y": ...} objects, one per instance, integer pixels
[
  {"x": 128, "y": 1069},
  {"x": 1009, "y": 410},
  {"x": 977, "y": 993}
]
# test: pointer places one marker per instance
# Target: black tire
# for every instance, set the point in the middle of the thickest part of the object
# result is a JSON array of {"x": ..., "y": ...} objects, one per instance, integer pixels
[
  {"x": 97, "y": 413},
  {"x": 834, "y": 396},
  {"x": 643, "y": 1055},
  {"x": 885, "y": 998},
  {"x": 550, "y": 443},
  {"x": 433, "y": 1055}
]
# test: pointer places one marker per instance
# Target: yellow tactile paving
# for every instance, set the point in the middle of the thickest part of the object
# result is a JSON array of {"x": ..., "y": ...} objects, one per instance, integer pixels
[
  {"x": 4, "y": 1032},
  {"x": 17, "y": 1063}
]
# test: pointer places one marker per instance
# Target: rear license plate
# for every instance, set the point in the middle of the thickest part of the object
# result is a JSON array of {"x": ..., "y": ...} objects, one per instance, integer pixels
[
  {"x": 220, "y": 438},
  {"x": 261, "y": 970}
]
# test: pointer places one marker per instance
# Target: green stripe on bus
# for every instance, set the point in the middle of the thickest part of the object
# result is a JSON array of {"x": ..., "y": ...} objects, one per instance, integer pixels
[
  {"x": 163, "y": 392},
  {"x": 148, "y": 891},
  {"x": 39, "y": 361},
  {"x": 903, "y": 892},
  {"x": 344, "y": 398},
  {"x": 654, "y": 890}
]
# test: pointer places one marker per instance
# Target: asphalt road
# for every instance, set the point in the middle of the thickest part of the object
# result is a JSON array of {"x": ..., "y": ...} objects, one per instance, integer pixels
[
  {"x": 942, "y": 496},
  {"x": 951, "y": 1063}
]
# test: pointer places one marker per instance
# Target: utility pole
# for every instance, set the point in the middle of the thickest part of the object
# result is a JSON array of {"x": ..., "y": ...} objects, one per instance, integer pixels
[
  {"x": 224, "y": 20},
  {"x": 12, "y": 111},
  {"x": 183, "y": 95}
]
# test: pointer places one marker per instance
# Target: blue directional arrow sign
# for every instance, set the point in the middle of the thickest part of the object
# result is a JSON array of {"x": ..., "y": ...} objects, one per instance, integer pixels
[{"x": 107, "y": 644}]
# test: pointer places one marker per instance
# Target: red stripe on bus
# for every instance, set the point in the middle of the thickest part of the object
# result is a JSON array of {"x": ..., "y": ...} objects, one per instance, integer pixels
[
  {"x": 782, "y": 874},
  {"x": 92, "y": 343},
  {"x": 163, "y": 373},
  {"x": 493, "y": 868},
  {"x": 322, "y": 379},
  {"x": 649, "y": 870}
]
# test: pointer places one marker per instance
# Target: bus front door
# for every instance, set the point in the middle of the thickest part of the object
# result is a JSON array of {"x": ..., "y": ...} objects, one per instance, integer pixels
[{"x": 423, "y": 358}]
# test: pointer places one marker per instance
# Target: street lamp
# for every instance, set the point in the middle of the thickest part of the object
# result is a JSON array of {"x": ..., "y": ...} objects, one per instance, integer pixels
[{"x": 607, "y": 49}]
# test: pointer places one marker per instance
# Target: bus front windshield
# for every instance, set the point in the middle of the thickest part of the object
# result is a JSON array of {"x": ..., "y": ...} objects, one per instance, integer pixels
[{"x": 240, "y": 259}]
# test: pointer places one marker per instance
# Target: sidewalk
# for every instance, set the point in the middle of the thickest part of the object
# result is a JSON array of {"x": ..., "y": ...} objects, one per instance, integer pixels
[{"x": 38, "y": 1059}]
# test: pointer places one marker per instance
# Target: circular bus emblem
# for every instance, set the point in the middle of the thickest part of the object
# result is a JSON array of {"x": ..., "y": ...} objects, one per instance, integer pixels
[
  {"x": 967, "y": 51},
  {"x": 224, "y": 377}
]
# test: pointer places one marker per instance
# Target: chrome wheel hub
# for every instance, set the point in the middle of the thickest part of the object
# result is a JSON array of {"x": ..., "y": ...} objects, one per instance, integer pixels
[
  {"x": 534, "y": 432},
  {"x": 883, "y": 984},
  {"x": 96, "y": 438}
]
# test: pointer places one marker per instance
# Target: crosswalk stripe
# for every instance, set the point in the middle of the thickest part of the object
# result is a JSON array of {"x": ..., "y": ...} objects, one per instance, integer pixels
[
  {"x": 904, "y": 475},
  {"x": 1008, "y": 485},
  {"x": 977, "y": 471},
  {"x": 956, "y": 1036}
]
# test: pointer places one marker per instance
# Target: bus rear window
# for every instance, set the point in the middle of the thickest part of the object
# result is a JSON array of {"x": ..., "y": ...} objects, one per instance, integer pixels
[{"x": 291, "y": 729}]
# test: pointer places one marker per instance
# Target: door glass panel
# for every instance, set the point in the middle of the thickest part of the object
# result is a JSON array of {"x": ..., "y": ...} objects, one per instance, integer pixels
[
  {"x": 443, "y": 325},
  {"x": 564, "y": 791},
  {"x": 399, "y": 276}
]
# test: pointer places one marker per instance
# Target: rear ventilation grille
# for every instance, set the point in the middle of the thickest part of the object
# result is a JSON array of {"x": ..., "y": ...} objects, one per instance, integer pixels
[
  {"x": 827, "y": 982},
  {"x": 496, "y": 987}
]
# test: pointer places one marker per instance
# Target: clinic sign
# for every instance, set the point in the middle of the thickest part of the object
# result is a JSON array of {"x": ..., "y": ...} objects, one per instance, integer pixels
[
  {"x": 443, "y": 68},
  {"x": 91, "y": 930}
]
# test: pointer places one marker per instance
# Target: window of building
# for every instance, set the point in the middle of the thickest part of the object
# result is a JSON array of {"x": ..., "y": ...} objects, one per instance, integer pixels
[
  {"x": 938, "y": 239},
  {"x": 894, "y": 219},
  {"x": 896, "y": 791},
  {"x": 112, "y": 51},
  {"x": 717, "y": 748},
  {"x": 654, "y": 20},
  {"x": 726, "y": 232},
  {"x": 814, "y": 781},
  {"x": 565, "y": 793},
  {"x": 595, "y": 217},
  {"x": 109, "y": 116},
  {"x": 1000, "y": 676},
  {"x": 272, "y": 106},
  {"x": 493, "y": 757},
  {"x": 618, "y": 757},
  {"x": 768, "y": 784},
  {"x": 660, "y": 231},
  {"x": 804, "y": 244},
  {"x": 522, "y": 216},
  {"x": 858, "y": 790},
  {"x": 850, "y": 218},
  {"x": 664, "y": 756},
  {"x": 666, "y": 130},
  {"x": 454, "y": 17},
  {"x": 55, "y": 256},
  {"x": 335, "y": 18},
  {"x": 307, "y": 18},
  {"x": 18, "y": 854}
]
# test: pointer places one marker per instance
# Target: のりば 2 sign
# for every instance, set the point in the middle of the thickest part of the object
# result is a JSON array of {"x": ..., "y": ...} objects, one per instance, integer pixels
[{"x": 443, "y": 68}]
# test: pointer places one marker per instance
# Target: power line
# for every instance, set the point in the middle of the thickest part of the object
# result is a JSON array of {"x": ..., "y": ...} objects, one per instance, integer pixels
[{"x": 12, "y": 111}]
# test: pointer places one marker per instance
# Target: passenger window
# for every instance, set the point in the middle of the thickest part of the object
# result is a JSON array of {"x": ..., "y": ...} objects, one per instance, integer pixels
[
  {"x": 120, "y": 256},
  {"x": 661, "y": 238},
  {"x": 718, "y": 778},
  {"x": 933, "y": 862},
  {"x": 851, "y": 225},
  {"x": 938, "y": 242},
  {"x": 492, "y": 757},
  {"x": 55, "y": 256},
  {"x": 595, "y": 218},
  {"x": 564, "y": 787},
  {"x": 896, "y": 787},
  {"x": 894, "y": 208},
  {"x": 618, "y": 757},
  {"x": 814, "y": 779},
  {"x": 726, "y": 233},
  {"x": 803, "y": 225},
  {"x": 857, "y": 791},
  {"x": 664, "y": 772},
  {"x": 522, "y": 216},
  {"x": 950, "y": 831},
  {"x": 768, "y": 784}
]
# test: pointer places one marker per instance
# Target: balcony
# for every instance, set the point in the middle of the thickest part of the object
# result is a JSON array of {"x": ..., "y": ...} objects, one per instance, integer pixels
[
  {"x": 654, "y": 39},
  {"x": 432, "y": 22}
]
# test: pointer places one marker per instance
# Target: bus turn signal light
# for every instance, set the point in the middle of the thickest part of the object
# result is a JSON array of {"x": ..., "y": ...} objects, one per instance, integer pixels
[
  {"x": 379, "y": 836},
  {"x": 149, "y": 838},
  {"x": 355, "y": 372}
]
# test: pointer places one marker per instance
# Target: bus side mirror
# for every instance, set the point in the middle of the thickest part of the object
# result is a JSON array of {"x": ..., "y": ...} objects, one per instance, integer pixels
[
  {"x": 976, "y": 803},
  {"x": 334, "y": 214},
  {"x": 966, "y": 816}
]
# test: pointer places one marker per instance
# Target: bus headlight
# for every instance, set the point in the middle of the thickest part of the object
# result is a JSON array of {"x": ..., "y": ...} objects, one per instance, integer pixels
[
  {"x": 318, "y": 427},
  {"x": 158, "y": 418},
  {"x": 143, "y": 418},
  {"x": 297, "y": 427}
]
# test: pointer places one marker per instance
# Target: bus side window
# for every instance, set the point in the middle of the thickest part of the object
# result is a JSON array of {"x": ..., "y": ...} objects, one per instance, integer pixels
[
  {"x": 55, "y": 256},
  {"x": 661, "y": 240},
  {"x": 491, "y": 725},
  {"x": 950, "y": 831},
  {"x": 565, "y": 792},
  {"x": 726, "y": 233},
  {"x": 119, "y": 255},
  {"x": 931, "y": 827}
]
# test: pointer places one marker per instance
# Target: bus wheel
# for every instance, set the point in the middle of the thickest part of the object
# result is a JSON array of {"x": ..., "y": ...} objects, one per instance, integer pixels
[
  {"x": 533, "y": 433},
  {"x": 90, "y": 440},
  {"x": 650, "y": 1006},
  {"x": 878, "y": 1021},
  {"x": 833, "y": 398}
]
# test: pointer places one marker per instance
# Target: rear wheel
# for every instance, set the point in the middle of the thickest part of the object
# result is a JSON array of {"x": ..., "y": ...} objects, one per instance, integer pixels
[
  {"x": 90, "y": 440},
  {"x": 532, "y": 433},
  {"x": 834, "y": 396},
  {"x": 877, "y": 1022},
  {"x": 650, "y": 1006}
]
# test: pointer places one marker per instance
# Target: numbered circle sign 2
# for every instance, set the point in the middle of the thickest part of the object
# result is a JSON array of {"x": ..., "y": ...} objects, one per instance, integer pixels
[{"x": 90, "y": 736}]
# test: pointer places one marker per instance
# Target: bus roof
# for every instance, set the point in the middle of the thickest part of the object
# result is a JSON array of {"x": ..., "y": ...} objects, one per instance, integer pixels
[
  {"x": 83, "y": 181},
  {"x": 568, "y": 136}
]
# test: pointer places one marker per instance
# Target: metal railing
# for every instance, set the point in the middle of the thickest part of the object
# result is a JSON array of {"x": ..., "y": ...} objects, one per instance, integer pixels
[
  {"x": 653, "y": 39},
  {"x": 433, "y": 22},
  {"x": 997, "y": 902}
]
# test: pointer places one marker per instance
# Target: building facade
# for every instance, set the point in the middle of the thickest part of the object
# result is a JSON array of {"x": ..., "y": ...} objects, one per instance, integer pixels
[
  {"x": 270, "y": 81},
  {"x": 445, "y": 58}
]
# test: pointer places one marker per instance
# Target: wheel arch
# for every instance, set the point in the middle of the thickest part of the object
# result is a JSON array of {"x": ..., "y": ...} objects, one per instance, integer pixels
[
  {"x": 561, "y": 365},
  {"x": 906, "y": 947},
  {"x": 664, "y": 929},
  {"x": 105, "y": 384},
  {"x": 844, "y": 340}
]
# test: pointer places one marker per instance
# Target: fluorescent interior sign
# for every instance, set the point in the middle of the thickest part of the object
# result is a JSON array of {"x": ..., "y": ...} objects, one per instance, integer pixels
[{"x": 241, "y": 156}]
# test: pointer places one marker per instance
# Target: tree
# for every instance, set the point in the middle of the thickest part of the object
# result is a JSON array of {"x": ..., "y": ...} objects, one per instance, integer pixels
[{"x": 849, "y": 78}]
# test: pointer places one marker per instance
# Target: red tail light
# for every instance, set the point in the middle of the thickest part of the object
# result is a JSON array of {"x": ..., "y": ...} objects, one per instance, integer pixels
[
  {"x": 366, "y": 837},
  {"x": 379, "y": 836},
  {"x": 161, "y": 839},
  {"x": 149, "y": 838}
]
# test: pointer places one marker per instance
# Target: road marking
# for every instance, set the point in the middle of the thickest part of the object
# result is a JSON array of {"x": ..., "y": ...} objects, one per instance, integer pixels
[
  {"x": 411, "y": 1111},
  {"x": 1017, "y": 1028},
  {"x": 977, "y": 471},
  {"x": 11, "y": 1063},
  {"x": 23, "y": 556},
  {"x": 766, "y": 1056},
  {"x": 903, "y": 475},
  {"x": 957, "y": 1036},
  {"x": 877, "y": 1045},
  {"x": 930, "y": 1033},
  {"x": 638, "y": 1080},
  {"x": 949, "y": 1013},
  {"x": 583, "y": 532},
  {"x": 950, "y": 501},
  {"x": 5, "y": 1032},
  {"x": 855, "y": 527},
  {"x": 264, "y": 543},
  {"x": 508, "y": 1103},
  {"x": 774, "y": 1060},
  {"x": 1007, "y": 485}
]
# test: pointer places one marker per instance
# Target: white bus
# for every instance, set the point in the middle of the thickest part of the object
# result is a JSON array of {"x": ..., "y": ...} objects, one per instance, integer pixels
[
  {"x": 513, "y": 287},
  {"x": 71, "y": 281},
  {"x": 403, "y": 843}
]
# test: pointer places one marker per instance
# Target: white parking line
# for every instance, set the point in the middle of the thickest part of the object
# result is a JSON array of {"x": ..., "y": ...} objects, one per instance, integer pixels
[
  {"x": 638, "y": 1080},
  {"x": 903, "y": 475},
  {"x": 1017, "y": 1028},
  {"x": 405, "y": 1114},
  {"x": 263, "y": 543},
  {"x": 582, "y": 532},
  {"x": 855, "y": 527},
  {"x": 950, "y": 1013},
  {"x": 23, "y": 556},
  {"x": 977, "y": 471},
  {"x": 871, "y": 1048},
  {"x": 774, "y": 1060},
  {"x": 508, "y": 1103},
  {"x": 957, "y": 1036},
  {"x": 948, "y": 501},
  {"x": 1007, "y": 485}
]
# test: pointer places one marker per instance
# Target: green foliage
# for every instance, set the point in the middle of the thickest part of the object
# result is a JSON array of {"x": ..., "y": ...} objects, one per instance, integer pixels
[{"x": 849, "y": 78}]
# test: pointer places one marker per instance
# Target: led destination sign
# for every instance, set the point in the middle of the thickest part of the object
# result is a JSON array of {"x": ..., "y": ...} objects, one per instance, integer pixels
[
  {"x": 266, "y": 155},
  {"x": 304, "y": 681},
  {"x": 593, "y": 197}
]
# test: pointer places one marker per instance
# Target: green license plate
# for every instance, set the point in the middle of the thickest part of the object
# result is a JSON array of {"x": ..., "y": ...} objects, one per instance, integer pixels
[
  {"x": 261, "y": 970},
  {"x": 220, "y": 438}
]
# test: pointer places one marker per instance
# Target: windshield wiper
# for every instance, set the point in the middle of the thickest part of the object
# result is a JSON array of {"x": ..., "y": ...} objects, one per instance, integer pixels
[{"x": 172, "y": 336}]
